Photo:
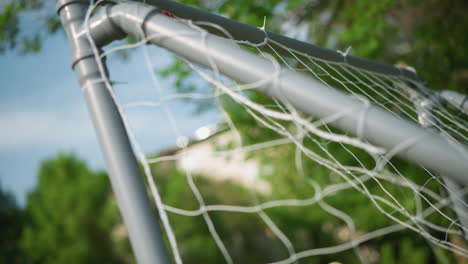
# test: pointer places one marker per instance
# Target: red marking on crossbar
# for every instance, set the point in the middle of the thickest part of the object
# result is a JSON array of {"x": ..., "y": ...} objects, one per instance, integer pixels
[{"x": 168, "y": 14}]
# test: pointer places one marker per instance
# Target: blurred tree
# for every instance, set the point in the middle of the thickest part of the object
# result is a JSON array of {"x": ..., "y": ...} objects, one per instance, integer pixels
[
  {"x": 72, "y": 217},
  {"x": 11, "y": 224},
  {"x": 25, "y": 23}
]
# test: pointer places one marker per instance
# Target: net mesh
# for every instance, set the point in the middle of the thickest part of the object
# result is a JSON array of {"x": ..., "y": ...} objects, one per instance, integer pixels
[{"x": 270, "y": 184}]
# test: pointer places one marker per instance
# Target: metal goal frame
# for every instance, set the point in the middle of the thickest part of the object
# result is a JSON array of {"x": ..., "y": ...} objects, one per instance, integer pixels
[{"x": 115, "y": 20}]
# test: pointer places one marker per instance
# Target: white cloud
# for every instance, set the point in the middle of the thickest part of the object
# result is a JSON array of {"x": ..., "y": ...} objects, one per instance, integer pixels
[
  {"x": 27, "y": 129},
  {"x": 71, "y": 129}
]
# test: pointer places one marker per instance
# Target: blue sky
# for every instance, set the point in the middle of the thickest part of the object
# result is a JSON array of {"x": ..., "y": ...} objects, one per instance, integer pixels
[{"x": 43, "y": 113}]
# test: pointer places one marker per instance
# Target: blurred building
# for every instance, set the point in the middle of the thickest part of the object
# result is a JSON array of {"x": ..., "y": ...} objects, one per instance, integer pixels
[{"x": 212, "y": 152}]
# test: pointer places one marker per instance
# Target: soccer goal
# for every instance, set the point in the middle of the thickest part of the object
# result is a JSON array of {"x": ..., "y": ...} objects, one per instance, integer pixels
[{"x": 319, "y": 156}]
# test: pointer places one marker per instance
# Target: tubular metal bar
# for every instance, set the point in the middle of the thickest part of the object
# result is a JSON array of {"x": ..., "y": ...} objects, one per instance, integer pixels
[
  {"x": 425, "y": 107},
  {"x": 135, "y": 207},
  {"x": 369, "y": 122},
  {"x": 252, "y": 34},
  {"x": 457, "y": 100}
]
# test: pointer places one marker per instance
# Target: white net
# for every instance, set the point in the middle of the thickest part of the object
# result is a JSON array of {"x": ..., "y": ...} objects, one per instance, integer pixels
[{"x": 271, "y": 184}]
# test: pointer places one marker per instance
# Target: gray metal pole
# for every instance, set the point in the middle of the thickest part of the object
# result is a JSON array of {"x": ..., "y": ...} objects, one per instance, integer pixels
[
  {"x": 253, "y": 34},
  {"x": 135, "y": 207},
  {"x": 425, "y": 107},
  {"x": 381, "y": 128},
  {"x": 456, "y": 100}
]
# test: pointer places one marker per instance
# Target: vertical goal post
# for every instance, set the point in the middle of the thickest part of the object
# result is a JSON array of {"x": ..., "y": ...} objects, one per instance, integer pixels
[
  {"x": 88, "y": 33},
  {"x": 145, "y": 235}
]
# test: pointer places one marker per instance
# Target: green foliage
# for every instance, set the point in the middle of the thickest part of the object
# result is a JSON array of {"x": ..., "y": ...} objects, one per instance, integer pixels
[
  {"x": 71, "y": 216},
  {"x": 367, "y": 41},
  {"x": 25, "y": 38},
  {"x": 11, "y": 224},
  {"x": 427, "y": 35},
  {"x": 245, "y": 236}
]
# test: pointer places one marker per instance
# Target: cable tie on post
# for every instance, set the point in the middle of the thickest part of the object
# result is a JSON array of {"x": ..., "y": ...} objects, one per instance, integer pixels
[
  {"x": 169, "y": 14},
  {"x": 62, "y": 3}
]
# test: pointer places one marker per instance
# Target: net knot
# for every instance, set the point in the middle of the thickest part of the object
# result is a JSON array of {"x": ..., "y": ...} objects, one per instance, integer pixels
[
  {"x": 263, "y": 28},
  {"x": 345, "y": 53}
]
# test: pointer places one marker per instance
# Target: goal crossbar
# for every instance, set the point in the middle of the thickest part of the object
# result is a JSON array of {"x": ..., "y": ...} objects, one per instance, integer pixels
[
  {"x": 380, "y": 127},
  {"x": 240, "y": 31}
]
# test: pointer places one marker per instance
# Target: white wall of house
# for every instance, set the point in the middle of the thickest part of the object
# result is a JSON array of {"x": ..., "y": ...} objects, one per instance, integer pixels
[{"x": 210, "y": 159}]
